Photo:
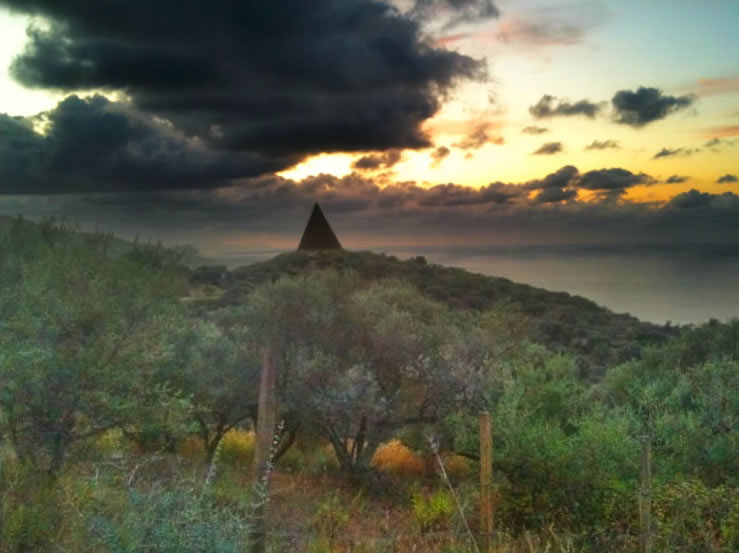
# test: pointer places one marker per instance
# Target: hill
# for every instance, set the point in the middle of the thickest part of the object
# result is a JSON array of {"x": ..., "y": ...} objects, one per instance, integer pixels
[
  {"x": 188, "y": 255},
  {"x": 598, "y": 337}
]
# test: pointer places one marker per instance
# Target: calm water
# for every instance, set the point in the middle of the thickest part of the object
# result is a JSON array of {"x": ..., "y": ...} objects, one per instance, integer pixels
[{"x": 681, "y": 284}]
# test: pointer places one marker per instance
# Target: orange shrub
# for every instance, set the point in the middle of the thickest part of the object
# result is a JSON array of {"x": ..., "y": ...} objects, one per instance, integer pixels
[{"x": 395, "y": 457}]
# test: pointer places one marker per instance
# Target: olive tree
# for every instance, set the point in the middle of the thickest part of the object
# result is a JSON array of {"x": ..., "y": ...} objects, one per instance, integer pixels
[
  {"x": 358, "y": 362},
  {"x": 217, "y": 365}
]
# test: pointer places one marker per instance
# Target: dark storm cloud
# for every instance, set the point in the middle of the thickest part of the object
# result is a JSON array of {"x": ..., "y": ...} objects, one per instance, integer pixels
[
  {"x": 603, "y": 145},
  {"x": 277, "y": 80},
  {"x": 533, "y": 129},
  {"x": 613, "y": 179},
  {"x": 20, "y": 149},
  {"x": 672, "y": 152},
  {"x": 646, "y": 105},
  {"x": 727, "y": 178},
  {"x": 384, "y": 160},
  {"x": 548, "y": 149},
  {"x": 676, "y": 179},
  {"x": 93, "y": 144},
  {"x": 546, "y": 108},
  {"x": 439, "y": 155},
  {"x": 478, "y": 137}
]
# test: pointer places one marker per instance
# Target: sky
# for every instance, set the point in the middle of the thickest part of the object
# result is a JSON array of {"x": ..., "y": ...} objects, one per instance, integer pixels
[{"x": 414, "y": 123}]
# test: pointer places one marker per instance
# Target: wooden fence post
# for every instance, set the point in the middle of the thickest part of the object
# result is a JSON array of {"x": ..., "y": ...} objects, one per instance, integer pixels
[
  {"x": 645, "y": 495},
  {"x": 486, "y": 483},
  {"x": 266, "y": 421}
]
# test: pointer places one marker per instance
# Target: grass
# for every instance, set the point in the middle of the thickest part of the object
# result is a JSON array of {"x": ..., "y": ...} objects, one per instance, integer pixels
[{"x": 126, "y": 501}]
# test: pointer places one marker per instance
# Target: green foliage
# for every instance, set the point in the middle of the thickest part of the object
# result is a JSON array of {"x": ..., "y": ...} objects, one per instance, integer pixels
[
  {"x": 568, "y": 454},
  {"x": 330, "y": 518},
  {"x": 217, "y": 364},
  {"x": 691, "y": 409},
  {"x": 170, "y": 520},
  {"x": 562, "y": 322},
  {"x": 362, "y": 361},
  {"x": 82, "y": 336},
  {"x": 432, "y": 511},
  {"x": 30, "y": 509},
  {"x": 693, "y": 517},
  {"x": 97, "y": 347}
]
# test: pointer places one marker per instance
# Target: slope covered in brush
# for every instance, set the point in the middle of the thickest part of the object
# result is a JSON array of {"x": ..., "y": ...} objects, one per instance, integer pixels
[{"x": 561, "y": 321}]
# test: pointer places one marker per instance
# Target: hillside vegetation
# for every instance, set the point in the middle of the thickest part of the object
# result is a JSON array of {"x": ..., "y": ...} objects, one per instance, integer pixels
[
  {"x": 128, "y": 386},
  {"x": 564, "y": 323}
]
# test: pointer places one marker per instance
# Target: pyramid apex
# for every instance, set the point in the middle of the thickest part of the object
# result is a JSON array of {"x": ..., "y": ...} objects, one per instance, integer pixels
[{"x": 318, "y": 234}]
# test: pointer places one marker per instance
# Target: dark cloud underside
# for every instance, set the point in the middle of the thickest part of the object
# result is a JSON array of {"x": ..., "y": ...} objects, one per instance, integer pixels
[
  {"x": 559, "y": 179},
  {"x": 614, "y": 179},
  {"x": 552, "y": 195},
  {"x": 373, "y": 162}
]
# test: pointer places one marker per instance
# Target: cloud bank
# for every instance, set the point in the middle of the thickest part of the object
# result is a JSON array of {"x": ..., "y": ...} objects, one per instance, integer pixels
[{"x": 268, "y": 83}]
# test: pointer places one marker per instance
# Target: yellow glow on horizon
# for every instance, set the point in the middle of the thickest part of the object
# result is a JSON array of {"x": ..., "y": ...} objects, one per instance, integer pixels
[{"x": 337, "y": 164}]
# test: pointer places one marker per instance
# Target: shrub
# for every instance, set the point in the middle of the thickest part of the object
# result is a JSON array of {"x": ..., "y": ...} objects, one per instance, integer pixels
[
  {"x": 432, "y": 511},
  {"x": 397, "y": 458},
  {"x": 238, "y": 448},
  {"x": 693, "y": 517}
]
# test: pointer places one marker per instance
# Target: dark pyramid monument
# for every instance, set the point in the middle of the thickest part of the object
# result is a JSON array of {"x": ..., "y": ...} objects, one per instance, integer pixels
[{"x": 318, "y": 234}]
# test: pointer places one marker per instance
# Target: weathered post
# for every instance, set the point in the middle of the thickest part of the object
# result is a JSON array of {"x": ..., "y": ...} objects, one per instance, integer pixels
[
  {"x": 645, "y": 495},
  {"x": 486, "y": 482},
  {"x": 266, "y": 413},
  {"x": 266, "y": 420}
]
